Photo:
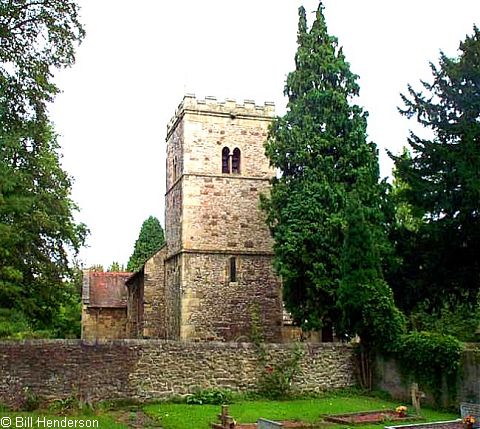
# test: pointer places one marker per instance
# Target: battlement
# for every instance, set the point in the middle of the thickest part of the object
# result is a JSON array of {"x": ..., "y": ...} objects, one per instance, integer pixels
[{"x": 228, "y": 107}]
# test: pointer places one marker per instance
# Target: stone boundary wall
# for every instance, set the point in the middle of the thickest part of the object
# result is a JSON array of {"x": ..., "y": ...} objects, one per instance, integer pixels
[
  {"x": 154, "y": 369},
  {"x": 467, "y": 389}
]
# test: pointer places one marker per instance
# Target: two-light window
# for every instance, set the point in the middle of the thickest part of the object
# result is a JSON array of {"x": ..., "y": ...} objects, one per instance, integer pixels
[{"x": 231, "y": 162}]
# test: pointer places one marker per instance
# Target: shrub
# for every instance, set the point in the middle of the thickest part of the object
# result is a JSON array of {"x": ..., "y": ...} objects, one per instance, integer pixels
[
  {"x": 209, "y": 396},
  {"x": 275, "y": 381},
  {"x": 31, "y": 401}
]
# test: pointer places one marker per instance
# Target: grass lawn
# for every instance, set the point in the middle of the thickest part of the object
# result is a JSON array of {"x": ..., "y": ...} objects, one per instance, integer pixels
[{"x": 183, "y": 416}]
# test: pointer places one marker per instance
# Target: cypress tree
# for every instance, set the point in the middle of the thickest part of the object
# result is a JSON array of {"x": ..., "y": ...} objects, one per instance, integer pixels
[
  {"x": 320, "y": 148},
  {"x": 150, "y": 239}
]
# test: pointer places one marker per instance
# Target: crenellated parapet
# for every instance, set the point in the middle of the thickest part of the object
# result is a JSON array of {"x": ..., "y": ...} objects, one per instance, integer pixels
[{"x": 228, "y": 107}]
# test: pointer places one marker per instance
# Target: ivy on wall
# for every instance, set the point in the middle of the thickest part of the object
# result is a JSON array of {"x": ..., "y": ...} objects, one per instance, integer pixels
[{"x": 427, "y": 357}]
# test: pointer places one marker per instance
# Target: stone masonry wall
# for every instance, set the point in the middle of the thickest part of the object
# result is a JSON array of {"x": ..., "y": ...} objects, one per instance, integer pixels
[
  {"x": 173, "y": 218},
  {"x": 173, "y": 292},
  {"x": 467, "y": 389},
  {"x": 135, "y": 307},
  {"x": 174, "y": 194},
  {"x": 154, "y": 296},
  {"x": 174, "y": 159},
  {"x": 104, "y": 302},
  {"x": 205, "y": 208},
  {"x": 213, "y": 308},
  {"x": 154, "y": 369},
  {"x": 211, "y": 126},
  {"x": 103, "y": 323},
  {"x": 223, "y": 213}
]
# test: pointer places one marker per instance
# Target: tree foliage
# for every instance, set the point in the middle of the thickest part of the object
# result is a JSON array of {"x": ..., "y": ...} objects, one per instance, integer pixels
[
  {"x": 427, "y": 357},
  {"x": 116, "y": 267},
  {"x": 36, "y": 223},
  {"x": 365, "y": 299},
  {"x": 150, "y": 239},
  {"x": 460, "y": 322},
  {"x": 37, "y": 228},
  {"x": 440, "y": 262},
  {"x": 36, "y": 36},
  {"x": 328, "y": 172}
]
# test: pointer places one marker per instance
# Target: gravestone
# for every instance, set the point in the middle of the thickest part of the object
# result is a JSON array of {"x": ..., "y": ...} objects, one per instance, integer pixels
[
  {"x": 416, "y": 394},
  {"x": 268, "y": 424},
  {"x": 467, "y": 409},
  {"x": 226, "y": 421}
]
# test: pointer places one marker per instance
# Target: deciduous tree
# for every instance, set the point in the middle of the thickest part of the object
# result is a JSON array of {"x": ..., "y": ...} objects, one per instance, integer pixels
[
  {"x": 36, "y": 37},
  {"x": 116, "y": 267},
  {"x": 37, "y": 228}
]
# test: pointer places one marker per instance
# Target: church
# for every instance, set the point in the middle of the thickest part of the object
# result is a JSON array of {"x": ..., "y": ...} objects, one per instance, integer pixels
[{"x": 214, "y": 277}]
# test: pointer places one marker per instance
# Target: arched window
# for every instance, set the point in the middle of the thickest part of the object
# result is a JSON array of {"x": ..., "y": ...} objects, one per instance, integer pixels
[
  {"x": 225, "y": 160},
  {"x": 236, "y": 161}
]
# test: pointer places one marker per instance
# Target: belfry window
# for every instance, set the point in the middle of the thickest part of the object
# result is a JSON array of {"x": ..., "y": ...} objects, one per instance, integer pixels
[
  {"x": 225, "y": 160},
  {"x": 236, "y": 161},
  {"x": 233, "y": 269}
]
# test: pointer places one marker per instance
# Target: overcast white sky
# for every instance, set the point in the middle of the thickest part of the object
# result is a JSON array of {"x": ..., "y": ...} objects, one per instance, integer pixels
[{"x": 140, "y": 58}]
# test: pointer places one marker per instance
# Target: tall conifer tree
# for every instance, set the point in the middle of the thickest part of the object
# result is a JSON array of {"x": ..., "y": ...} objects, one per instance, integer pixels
[
  {"x": 150, "y": 239},
  {"x": 320, "y": 147},
  {"x": 441, "y": 258}
]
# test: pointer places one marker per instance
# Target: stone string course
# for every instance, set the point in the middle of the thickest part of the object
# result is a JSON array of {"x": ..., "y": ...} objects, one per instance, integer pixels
[{"x": 154, "y": 369}]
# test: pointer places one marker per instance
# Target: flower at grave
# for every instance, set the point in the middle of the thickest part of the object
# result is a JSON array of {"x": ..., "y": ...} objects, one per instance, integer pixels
[
  {"x": 269, "y": 369},
  {"x": 468, "y": 421},
  {"x": 401, "y": 410}
]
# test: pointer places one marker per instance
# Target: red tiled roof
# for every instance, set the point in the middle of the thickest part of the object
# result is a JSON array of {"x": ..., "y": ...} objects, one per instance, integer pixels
[{"x": 106, "y": 289}]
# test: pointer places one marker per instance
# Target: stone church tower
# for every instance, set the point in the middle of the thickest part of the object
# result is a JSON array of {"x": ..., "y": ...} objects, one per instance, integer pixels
[{"x": 217, "y": 264}]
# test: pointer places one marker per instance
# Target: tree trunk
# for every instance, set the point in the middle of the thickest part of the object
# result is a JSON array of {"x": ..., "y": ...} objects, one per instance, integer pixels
[{"x": 365, "y": 368}]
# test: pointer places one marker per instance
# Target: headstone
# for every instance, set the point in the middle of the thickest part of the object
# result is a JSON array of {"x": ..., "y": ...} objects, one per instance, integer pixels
[
  {"x": 416, "y": 396},
  {"x": 268, "y": 424},
  {"x": 468, "y": 409},
  {"x": 226, "y": 421}
]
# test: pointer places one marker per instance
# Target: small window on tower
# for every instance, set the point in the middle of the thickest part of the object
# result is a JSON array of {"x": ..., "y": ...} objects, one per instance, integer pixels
[
  {"x": 225, "y": 160},
  {"x": 233, "y": 269},
  {"x": 236, "y": 161}
]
